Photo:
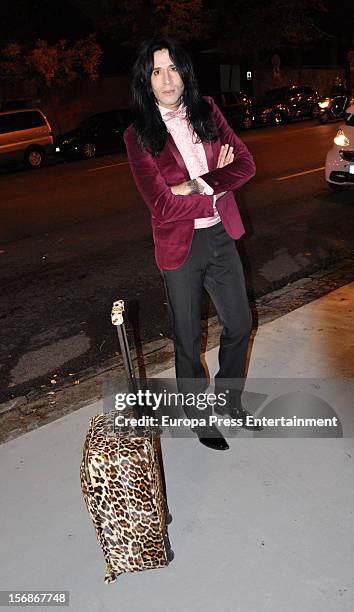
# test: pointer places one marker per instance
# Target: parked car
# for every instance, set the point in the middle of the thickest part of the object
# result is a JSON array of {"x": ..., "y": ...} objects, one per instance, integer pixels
[
  {"x": 236, "y": 106},
  {"x": 96, "y": 134},
  {"x": 25, "y": 136},
  {"x": 285, "y": 104},
  {"x": 340, "y": 158},
  {"x": 333, "y": 106}
]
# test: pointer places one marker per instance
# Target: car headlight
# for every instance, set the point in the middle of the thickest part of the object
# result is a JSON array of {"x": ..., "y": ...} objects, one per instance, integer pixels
[
  {"x": 341, "y": 139},
  {"x": 324, "y": 103}
]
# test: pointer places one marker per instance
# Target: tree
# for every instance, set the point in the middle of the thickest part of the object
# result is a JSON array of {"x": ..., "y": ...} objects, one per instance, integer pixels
[
  {"x": 131, "y": 21},
  {"x": 183, "y": 19},
  {"x": 44, "y": 66},
  {"x": 255, "y": 29}
]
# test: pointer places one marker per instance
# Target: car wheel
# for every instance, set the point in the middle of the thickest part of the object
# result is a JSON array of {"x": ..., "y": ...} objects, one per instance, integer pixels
[
  {"x": 89, "y": 150},
  {"x": 278, "y": 118},
  {"x": 336, "y": 187},
  {"x": 34, "y": 157}
]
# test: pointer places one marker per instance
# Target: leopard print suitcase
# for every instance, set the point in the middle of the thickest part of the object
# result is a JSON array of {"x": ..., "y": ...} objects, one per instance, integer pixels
[{"x": 122, "y": 484}]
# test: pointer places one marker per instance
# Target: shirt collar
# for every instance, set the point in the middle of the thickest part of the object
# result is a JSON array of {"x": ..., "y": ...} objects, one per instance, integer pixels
[{"x": 163, "y": 110}]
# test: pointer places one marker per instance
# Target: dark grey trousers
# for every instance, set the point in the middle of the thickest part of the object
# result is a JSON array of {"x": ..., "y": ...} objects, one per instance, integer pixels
[{"x": 213, "y": 263}]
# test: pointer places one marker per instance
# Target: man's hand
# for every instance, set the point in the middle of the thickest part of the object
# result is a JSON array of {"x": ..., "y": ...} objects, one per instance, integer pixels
[
  {"x": 226, "y": 156},
  {"x": 179, "y": 189}
]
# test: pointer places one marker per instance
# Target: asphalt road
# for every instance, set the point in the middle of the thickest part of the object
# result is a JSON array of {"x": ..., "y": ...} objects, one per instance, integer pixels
[{"x": 76, "y": 236}]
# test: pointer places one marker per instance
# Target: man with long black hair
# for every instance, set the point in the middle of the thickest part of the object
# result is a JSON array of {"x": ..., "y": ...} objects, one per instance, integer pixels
[{"x": 186, "y": 162}]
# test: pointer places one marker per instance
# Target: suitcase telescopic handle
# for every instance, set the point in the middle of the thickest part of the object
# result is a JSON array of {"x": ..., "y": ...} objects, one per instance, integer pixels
[{"x": 118, "y": 322}]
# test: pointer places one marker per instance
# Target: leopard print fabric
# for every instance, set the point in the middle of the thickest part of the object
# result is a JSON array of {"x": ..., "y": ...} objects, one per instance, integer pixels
[{"x": 123, "y": 491}]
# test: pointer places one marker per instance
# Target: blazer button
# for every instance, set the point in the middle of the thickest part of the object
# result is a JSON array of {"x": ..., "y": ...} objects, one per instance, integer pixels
[{"x": 216, "y": 182}]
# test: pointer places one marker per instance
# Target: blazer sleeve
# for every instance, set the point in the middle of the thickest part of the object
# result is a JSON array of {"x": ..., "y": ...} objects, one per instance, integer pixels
[
  {"x": 236, "y": 174},
  {"x": 163, "y": 204}
]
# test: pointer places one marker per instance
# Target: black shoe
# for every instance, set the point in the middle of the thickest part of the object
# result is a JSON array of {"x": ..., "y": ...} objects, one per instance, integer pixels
[
  {"x": 238, "y": 412},
  {"x": 211, "y": 437}
]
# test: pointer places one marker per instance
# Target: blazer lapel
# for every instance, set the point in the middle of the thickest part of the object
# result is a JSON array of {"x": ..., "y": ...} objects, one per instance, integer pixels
[
  {"x": 176, "y": 154},
  {"x": 208, "y": 148}
]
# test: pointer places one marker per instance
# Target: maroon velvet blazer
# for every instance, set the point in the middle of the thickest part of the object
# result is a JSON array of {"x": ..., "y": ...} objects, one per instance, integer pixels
[{"x": 172, "y": 216}]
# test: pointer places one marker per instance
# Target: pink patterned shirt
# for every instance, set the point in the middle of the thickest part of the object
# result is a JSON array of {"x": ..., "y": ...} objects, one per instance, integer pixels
[{"x": 192, "y": 152}]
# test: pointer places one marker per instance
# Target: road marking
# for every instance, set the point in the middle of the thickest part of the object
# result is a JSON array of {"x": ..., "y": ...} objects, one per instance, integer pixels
[
  {"x": 108, "y": 166},
  {"x": 310, "y": 127},
  {"x": 283, "y": 178}
]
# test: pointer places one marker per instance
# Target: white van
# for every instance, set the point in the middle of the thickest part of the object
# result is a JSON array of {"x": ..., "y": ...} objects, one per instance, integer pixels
[{"x": 25, "y": 136}]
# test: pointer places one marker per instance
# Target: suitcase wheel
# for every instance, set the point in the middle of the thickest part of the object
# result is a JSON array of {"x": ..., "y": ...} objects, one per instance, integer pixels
[{"x": 169, "y": 552}]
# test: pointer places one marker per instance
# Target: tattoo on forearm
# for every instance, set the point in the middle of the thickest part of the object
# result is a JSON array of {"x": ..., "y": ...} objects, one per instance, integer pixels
[{"x": 194, "y": 186}]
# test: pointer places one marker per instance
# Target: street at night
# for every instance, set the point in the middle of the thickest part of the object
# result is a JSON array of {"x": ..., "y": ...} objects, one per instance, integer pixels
[{"x": 76, "y": 236}]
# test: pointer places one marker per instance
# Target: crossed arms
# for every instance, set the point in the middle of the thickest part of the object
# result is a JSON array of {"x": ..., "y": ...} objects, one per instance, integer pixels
[
  {"x": 226, "y": 157},
  {"x": 177, "y": 203}
]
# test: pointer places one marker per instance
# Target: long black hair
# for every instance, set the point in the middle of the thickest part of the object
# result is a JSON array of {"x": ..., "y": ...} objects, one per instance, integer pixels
[{"x": 150, "y": 128}]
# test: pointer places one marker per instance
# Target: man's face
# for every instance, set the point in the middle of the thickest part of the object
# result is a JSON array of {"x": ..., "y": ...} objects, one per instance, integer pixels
[{"x": 166, "y": 83}]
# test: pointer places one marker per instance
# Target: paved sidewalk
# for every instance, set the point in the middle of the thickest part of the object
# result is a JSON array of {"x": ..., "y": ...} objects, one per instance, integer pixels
[{"x": 266, "y": 526}]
